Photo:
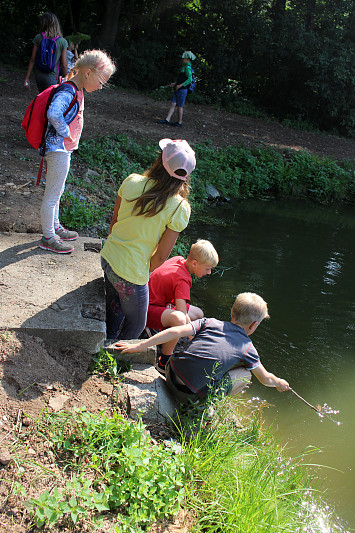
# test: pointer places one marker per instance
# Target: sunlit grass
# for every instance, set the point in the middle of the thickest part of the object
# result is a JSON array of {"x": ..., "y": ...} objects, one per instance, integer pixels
[{"x": 241, "y": 480}]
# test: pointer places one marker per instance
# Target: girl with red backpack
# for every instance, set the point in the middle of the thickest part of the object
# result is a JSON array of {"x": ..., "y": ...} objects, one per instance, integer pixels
[
  {"x": 48, "y": 52},
  {"x": 91, "y": 71}
]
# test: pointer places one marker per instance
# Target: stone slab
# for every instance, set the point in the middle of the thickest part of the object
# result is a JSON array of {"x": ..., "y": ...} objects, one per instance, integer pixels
[
  {"x": 147, "y": 356},
  {"x": 149, "y": 395},
  {"x": 58, "y": 297}
]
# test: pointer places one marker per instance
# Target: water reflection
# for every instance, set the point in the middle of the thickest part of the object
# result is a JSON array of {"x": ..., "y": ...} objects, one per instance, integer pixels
[{"x": 301, "y": 260}]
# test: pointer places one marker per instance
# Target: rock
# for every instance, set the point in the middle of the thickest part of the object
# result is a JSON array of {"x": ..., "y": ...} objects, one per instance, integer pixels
[
  {"x": 147, "y": 356},
  {"x": 148, "y": 395},
  {"x": 26, "y": 422},
  {"x": 212, "y": 193},
  {"x": 57, "y": 402},
  {"x": 106, "y": 388},
  {"x": 5, "y": 456},
  {"x": 91, "y": 174}
]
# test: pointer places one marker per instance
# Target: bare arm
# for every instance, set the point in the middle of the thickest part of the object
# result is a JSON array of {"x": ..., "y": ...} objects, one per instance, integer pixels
[
  {"x": 31, "y": 64},
  {"x": 162, "y": 337},
  {"x": 63, "y": 61},
  {"x": 181, "y": 306},
  {"x": 164, "y": 248},
  {"x": 270, "y": 380},
  {"x": 115, "y": 213}
]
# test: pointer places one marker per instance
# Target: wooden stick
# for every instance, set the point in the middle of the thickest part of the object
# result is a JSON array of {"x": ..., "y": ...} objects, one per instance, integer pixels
[
  {"x": 24, "y": 185},
  {"x": 303, "y": 400}
]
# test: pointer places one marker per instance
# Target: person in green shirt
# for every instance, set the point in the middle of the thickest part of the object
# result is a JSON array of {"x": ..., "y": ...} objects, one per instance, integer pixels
[{"x": 181, "y": 86}]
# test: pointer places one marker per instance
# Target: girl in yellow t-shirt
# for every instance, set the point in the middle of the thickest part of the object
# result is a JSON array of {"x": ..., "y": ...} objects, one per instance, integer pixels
[{"x": 149, "y": 214}]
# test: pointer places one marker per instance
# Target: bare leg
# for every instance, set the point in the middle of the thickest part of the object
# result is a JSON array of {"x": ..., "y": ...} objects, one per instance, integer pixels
[
  {"x": 169, "y": 318},
  {"x": 180, "y": 113},
  {"x": 241, "y": 378},
  {"x": 195, "y": 312},
  {"x": 171, "y": 111}
]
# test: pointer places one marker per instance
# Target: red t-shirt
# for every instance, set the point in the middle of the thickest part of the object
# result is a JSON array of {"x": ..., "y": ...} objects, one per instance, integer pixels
[{"x": 170, "y": 281}]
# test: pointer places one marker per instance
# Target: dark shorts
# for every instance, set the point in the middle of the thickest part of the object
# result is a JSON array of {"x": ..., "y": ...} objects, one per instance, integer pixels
[
  {"x": 180, "y": 392},
  {"x": 180, "y": 97},
  {"x": 154, "y": 315}
]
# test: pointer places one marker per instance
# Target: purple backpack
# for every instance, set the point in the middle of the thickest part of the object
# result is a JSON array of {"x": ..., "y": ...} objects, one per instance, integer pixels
[{"x": 45, "y": 57}]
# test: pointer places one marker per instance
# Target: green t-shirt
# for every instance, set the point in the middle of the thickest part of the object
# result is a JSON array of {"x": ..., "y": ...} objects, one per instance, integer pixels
[
  {"x": 134, "y": 239},
  {"x": 62, "y": 44},
  {"x": 185, "y": 74}
]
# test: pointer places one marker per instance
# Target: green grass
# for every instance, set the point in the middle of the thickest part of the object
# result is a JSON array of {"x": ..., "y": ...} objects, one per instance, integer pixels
[
  {"x": 240, "y": 479},
  {"x": 237, "y": 172},
  {"x": 228, "y": 473}
]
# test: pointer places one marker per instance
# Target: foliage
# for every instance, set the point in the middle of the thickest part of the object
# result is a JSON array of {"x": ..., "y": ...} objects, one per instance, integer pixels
[
  {"x": 238, "y": 478},
  {"x": 235, "y": 171},
  {"x": 228, "y": 472},
  {"x": 76, "y": 213},
  {"x": 284, "y": 59},
  {"x": 114, "y": 468},
  {"x": 105, "y": 363},
  {"x": 77, "y": 38}
]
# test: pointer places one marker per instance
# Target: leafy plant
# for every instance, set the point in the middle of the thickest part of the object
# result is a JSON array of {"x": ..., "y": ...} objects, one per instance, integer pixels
[
  {"x": 78, "y": 38},
  {"x": 116, "y": 468},
  {"x": 106, "y": 363}
]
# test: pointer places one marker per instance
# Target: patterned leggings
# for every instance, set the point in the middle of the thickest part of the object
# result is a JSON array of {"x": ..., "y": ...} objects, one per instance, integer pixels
[{"x": 127, "y": 306}]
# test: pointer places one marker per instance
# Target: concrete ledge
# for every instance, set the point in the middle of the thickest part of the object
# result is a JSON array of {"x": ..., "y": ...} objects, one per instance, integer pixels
[{"x": 58, "y": 297}]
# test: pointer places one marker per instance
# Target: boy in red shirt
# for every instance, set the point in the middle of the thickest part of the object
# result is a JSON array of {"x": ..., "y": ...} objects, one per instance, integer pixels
[{"x": 169, "y": 292}]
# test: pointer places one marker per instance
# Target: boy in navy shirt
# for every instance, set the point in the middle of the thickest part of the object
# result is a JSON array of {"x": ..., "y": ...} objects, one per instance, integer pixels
[{"x": 220, "y": 354}]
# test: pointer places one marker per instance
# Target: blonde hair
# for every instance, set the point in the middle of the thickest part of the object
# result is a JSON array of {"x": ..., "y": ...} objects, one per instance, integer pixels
[
  {"x": 249, "y": 307},
  {"x": 50, "y": 25},
  {"x": 204, "y": 252},
  {"x": 97, "y": 60}
]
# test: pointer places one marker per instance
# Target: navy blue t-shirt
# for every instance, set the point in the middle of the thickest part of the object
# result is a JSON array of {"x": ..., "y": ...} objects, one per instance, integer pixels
[{"x": 216, "y": 348}]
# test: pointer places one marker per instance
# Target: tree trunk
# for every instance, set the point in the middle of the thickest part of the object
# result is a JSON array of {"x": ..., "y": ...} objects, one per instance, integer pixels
[{"x": 109, "y": 28}]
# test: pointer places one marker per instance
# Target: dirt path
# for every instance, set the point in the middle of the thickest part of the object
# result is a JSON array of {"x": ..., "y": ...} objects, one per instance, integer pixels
[{"x": 115, "y": 111}]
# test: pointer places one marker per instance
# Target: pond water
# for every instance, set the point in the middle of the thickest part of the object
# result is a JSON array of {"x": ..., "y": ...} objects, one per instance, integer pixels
[{"x": 301, "y": 258}]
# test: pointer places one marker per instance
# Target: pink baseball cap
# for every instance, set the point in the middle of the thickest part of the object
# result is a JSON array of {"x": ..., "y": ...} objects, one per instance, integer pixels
[{"x": 177, "y": 155}]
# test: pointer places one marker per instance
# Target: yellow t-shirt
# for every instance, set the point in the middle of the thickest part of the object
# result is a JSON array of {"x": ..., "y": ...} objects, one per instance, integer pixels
[{"x": 134, "y": 239}]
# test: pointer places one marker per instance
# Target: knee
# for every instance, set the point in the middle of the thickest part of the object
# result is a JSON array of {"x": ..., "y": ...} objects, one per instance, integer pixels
[
  {"x": 195, "y": 313},
  {"x": 177, "y": 318}
]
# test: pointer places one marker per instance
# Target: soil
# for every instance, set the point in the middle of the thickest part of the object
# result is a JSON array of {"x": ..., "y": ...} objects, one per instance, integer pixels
[{"x": 33, "y": 376}]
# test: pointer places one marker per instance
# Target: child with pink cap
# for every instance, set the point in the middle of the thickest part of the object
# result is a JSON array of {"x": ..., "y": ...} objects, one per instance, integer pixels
[{"x": 150, "y": 212}]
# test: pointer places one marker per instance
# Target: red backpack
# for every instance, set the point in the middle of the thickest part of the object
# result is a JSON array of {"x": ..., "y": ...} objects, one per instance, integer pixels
[{"x": 35, "y": 121}]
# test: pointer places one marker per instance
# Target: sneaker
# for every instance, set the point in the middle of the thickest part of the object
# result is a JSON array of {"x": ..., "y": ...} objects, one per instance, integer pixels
[
  {"x": 163, "y": 121},
  {"x": 160, "y": 367},
  {"x": 66, "y": 235},
  {"x": 55, "y": 245},
  {"x": 176, "y": 124}
]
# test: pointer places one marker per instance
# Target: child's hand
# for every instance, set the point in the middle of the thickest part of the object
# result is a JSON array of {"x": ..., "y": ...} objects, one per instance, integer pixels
[
  {"x": 282, "y": 385},
  {"x": 124, "y": 347},
  {"x": 27, "y": 84},
  {"x": 69, "y": 138}
]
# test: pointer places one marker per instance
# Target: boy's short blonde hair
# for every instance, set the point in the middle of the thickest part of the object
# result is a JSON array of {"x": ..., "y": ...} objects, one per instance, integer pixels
[
  {"x": 204, "y": 252},
  {"x": 249, "y": 307}
]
